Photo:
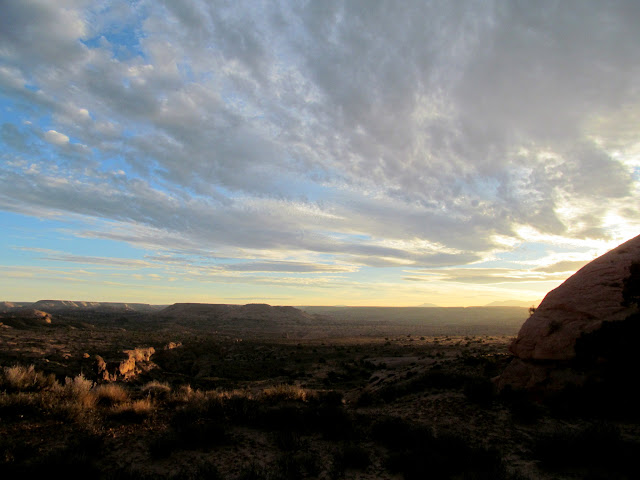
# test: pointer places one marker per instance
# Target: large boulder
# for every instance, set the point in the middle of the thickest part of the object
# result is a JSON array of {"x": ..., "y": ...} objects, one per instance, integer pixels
[{"x": 584, "y": 331}]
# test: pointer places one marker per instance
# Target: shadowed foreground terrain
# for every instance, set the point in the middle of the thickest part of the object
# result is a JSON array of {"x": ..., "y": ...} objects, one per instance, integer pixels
[{"x": 259, "y": 392}]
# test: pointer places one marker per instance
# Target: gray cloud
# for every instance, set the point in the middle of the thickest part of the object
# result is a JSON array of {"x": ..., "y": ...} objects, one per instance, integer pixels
[
  {"x": 346, "y": 129},
  {"x": 486, "y": 276}
]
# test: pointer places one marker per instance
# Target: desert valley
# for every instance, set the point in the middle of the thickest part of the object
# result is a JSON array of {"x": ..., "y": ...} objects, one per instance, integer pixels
[{"x": 186, "y": 391}]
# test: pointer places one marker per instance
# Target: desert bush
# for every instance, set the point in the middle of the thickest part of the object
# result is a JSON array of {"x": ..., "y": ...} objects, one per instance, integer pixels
[
  {"x": 155, "y": 389},
  {"x": 110, "y": 394},
  {"x": 284, "y": 393},
  {"x": 77, "y": 386},
  {"x": 79, "y": 391},
  {"x": 20, "y": 378},
  {"x": 186, "y": 394},
  {"x": 133, "y": 411}
]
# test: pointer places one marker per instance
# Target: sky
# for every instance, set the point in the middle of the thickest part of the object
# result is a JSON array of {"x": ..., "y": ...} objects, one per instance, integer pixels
[{"x": 326, "y": 152}]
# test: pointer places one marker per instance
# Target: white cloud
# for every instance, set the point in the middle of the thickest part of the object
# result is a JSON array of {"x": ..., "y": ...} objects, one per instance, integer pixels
[{"x": 56, "y": 138}]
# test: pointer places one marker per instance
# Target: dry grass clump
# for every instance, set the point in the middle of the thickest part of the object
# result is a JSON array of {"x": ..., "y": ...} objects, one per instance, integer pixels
[
  {"x": 185, "y": 394},
  {"x": 155, "y": 389},
  {"x": 110, "y": 394},
  {"x": 133, "y": 410},
  {"x": 285, "y": 393},
  {"x": 78, "y": 390},
  {"x": 20, "y": 378}
]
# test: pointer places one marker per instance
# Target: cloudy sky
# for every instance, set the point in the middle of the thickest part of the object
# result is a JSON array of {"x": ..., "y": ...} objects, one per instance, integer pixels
[{"x": 314, "y": 152}]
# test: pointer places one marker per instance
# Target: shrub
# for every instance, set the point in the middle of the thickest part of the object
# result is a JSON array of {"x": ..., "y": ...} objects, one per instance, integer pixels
[
  {"x": 186, "y": 394},
  {"x": 79, "y": 391},
  {"x": 284, "y": 392},
  {"x": 134, "y": 411},
  {"x": 20, "y": 378},
  {"x": 110, "y": 394},
  {"x": 156, "y": 389}
]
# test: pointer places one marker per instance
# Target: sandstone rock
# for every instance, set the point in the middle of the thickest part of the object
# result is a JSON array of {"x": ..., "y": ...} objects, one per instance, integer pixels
[
  {"x": 172, "y": 345},
  {"x": 138, "y": 360},
  {"x": 602, "y": 290},
  {"x": 581, "y": 332}
]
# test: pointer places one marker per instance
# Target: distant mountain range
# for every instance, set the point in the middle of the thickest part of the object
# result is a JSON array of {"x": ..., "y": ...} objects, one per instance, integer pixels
[{"x": 79, "y": 305}]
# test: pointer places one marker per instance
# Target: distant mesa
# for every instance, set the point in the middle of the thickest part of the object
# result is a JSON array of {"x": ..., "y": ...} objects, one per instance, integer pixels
[
  {"x": 224, "y": 312},
  {"x": 60, "y": 305},
  {"x": 25, "y": 318},
  {"x": 8, "y": 306},
  {"x": 429, "y": 305},
  {"x": 584, "y": 334}
]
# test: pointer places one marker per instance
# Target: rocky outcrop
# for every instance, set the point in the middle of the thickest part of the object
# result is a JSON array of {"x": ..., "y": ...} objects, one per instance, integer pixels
[
  {"x": 581, "y": 332},
  {"x": 137, "y": 361}
]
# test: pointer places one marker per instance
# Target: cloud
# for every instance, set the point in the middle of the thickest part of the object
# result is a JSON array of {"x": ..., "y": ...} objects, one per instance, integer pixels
[
  {"x": 486, "y": 276},
  {"x": 565, "y": 266},
  {"x": 315, "y": 137},
  {"x": 288, "y": 267},
  {"x": 56, "y": 138}
]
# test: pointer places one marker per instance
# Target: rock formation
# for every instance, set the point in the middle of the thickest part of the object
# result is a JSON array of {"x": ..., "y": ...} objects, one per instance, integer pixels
[
  {"x": 137, "y": 361},
  {"x": 584, "y": 332}
]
